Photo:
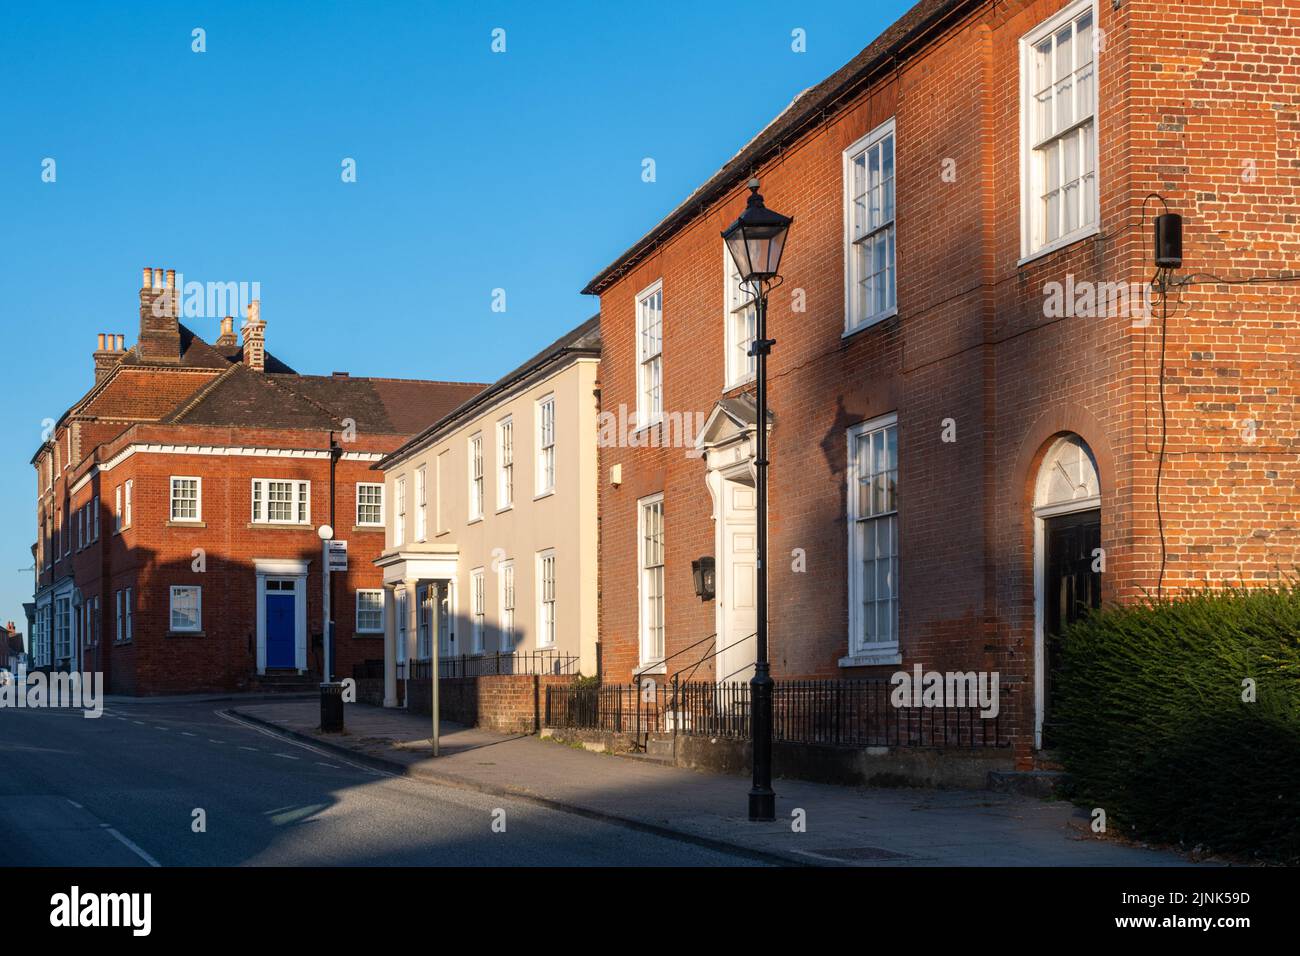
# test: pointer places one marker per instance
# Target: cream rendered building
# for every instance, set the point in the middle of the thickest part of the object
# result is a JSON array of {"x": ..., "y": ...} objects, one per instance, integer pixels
[{"x": 490, "y": 518}]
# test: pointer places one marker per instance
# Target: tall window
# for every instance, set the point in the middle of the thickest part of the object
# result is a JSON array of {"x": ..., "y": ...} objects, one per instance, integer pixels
[
  {"x": 130, "y": 614},
  {"x": 424, "y": 636},
  {"x": 277, "y": 501},
  {"x": 370, "y": 611},
  {"x": 475, "y": 477},
  {"x": 370, "y": 504},
  {"x": 130, "y": 487},
  {"x": 869, "y": 192},
  {"x": 118, "y": 619},
  {"x": 421, "y": 505},
  {"x": 117, "y": 509},
  {"x": 873, "y": 536},
  {"x": 507, "y": 601},
  {"x": 94, "y": 512},
  {"x": 399, "y": 522},
  {"x": 545, "y": 598},
  {"x": 186, "y": 607},
  {"x": 62, "y": 629},
  {"x": 185, "y": 504},
  {"x": 402, "y": 609},
  {"x": 649, "y": 355},
  {"x": 546, "y": 445},
  {"x": 1058, "y": 107},
  {"x": 742, "y": 324},
  {"x": 478, "y": 611},
  {"x": 650, "y": 557},
  {"x": 505, "y": 463}
]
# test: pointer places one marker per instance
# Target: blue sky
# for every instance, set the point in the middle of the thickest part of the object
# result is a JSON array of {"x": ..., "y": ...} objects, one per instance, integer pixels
[{"x": 475, "y": 171}]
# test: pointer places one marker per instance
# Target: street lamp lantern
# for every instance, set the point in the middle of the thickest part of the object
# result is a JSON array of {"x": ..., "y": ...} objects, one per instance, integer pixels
[{"x": 756, "y": 241}]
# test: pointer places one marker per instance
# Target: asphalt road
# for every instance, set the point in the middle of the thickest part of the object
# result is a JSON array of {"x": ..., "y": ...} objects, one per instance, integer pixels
[{"x": 122, "y": 790}]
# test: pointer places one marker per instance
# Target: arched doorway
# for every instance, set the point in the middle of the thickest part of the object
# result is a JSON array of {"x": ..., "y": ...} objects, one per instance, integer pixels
[{"x": 1068, "y": 560}]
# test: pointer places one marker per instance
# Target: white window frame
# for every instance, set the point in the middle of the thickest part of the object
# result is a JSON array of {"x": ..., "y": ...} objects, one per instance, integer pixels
[
  {"x": 399, "y": 511},
  {"x": 855, "y": 318},
  {"x": 117, "y": 509},
  {"x": 172, "y": 499},
  {"x": 130, "y": 614},
  {"x": 1032, "y": 245},
  {"x": 94, "y": 512},
  {"x": 741, "y": 310},
  {"x": 370, "y": 487},
  {"x": 198, "y": 609},
  {"x": 547, "y": 609},
  {"x": 118, "y": 619},
  {"x": 478, "y": 610},
  {"x": 505, "y": 463},
  {"x": 474, "y": 455},
  {"x": 421, "y": 504},
  {"x": 358, "y": 610},
  {"x": 860, "y": 651},
  {"x": 261, "y": 504},
  {"x": 130, "y": 488},
  {"x": 645, "y": 575},
  {"x": 506, "y": 601},
  {"x": 649, "y": 365},
  {"x": 545, "y": 412}
]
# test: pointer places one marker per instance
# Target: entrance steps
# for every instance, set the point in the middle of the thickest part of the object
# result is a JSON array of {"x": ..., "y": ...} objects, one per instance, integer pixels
[{"x": 285, "y": 681}]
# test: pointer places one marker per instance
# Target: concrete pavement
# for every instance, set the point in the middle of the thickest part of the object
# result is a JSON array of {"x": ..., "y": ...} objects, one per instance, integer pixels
[{"x": 843, "y": 825}]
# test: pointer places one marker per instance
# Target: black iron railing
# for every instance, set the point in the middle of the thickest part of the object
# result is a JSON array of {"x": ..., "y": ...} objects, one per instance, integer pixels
[
  {"x": 529, "y": 663},
  {"x": 837, "y": 713}
]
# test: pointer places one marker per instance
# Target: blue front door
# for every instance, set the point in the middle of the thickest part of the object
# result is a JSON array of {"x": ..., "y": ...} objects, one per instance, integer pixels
[{"x": 279, "y": 630}]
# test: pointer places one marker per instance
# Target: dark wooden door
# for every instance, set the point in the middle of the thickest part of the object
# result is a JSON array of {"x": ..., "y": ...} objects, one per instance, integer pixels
[{"x": 1072, "y": 587}]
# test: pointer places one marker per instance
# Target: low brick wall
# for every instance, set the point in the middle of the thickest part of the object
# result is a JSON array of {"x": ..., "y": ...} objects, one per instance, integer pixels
[
  {"x": 370, "y": 690},
  {"x": 506, "y": 703}
]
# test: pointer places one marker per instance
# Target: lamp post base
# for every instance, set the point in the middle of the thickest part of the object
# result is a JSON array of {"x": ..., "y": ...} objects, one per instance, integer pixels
[{"x": 762, "y": 805}]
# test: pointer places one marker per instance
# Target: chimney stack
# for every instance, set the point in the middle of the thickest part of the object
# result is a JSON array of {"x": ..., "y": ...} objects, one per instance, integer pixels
[
  {"x": 227, "y": 336},
  {"x": 160, "y": 335},
  {"x": 255, "y": 338},
  {"x": 107, "y": 355}
]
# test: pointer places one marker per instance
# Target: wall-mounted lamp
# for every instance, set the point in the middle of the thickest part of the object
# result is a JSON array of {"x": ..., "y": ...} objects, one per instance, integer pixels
[{"x": 704, "y": 577}]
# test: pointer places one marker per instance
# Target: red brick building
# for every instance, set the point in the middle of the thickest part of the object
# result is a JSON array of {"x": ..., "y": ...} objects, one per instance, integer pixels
[
  {"x": 178, "y": 503},
  {"x": 963, "y": 452}
]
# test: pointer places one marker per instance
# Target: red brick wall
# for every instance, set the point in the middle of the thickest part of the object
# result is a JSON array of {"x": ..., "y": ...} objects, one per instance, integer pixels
[
  {"x": 1187, "y": 93},
  {"x": 511, "y": 703}
]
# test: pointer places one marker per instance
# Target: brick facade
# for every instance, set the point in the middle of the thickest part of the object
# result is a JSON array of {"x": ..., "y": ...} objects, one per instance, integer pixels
[
  {"x": 206, "y": 414},
  {"x": 1198, "y": 101}
]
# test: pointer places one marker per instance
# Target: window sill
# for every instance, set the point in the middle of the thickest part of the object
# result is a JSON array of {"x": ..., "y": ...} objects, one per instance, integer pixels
[
  {"x": 642, "y": 670},
  {"x": 369, "y": 634},
  {"x": 1057, "y": 245},
  {"x": 739, "y": 383},
  {"x": 478, "y": 520},
  {"x": 277, "y": 526},
  {"x": 185, "y": 634},
  {"x": 504, "y": 508},
  {"x": 870, "y": 323},
  {"x": 872, "y": 658},
  {"x": 185, "y": 524},
  {"x": 367, "y": 527},
  {"x": 544, "y": 494}
]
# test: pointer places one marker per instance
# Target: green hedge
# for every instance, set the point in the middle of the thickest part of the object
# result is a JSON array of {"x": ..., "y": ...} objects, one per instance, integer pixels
[{"x": 1151, "y": 726}]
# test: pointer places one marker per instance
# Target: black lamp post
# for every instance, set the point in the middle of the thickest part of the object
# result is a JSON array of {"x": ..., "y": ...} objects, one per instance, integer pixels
[{"x": 756, "y": 241}]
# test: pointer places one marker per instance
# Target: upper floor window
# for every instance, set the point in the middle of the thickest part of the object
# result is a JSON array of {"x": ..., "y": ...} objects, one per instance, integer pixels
[
  {"x": 421, "y": 505},
  {"x": 399, "y": 522},
  {"x": 507, "y": 601},
  {"x": 185, "y": 499},
  {"x": 1058, "y": 111},
  {"x": 505, "y": 463},
  {"x": 650, "y": 561},
  {"x": 873, "y": 537},
  {"x": 370, "y": 504},
  {"x": 546, "y": 445},
  {"x": 277, "y": 501},
  {"x": 478, "y": 612},
  {"x": 128, "y": 490},
  {"x": 94, "y": 512},
  {"x": 649, "y": 355},
  {"x": 742, "y": 324},
  {"x": 870, "y": 294},
  {"x": 475, "y": 477}
]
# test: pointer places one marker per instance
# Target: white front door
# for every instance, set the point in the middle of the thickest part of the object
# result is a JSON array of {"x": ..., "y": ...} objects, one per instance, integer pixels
[{"x": 737, "y": 603}]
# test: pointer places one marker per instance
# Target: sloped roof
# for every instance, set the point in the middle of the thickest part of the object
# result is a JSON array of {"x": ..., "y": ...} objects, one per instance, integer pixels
[
  {"x": 807, "y": 109},
  {"x": 583, "y": 340},
  {"x": 278, "y": 400}
]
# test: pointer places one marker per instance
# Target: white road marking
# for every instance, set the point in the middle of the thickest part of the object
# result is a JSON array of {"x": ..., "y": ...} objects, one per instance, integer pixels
[
  {"x": 186, "y": 733},
  {"x": 305, "y": 746},
  {"x": 133, "y": 847},
  {"x": 286, "y": 756},
  {"x": 74, "y": 803}
]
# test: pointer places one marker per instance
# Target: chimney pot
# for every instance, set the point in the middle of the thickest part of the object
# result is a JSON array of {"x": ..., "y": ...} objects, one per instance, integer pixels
[
  {"x": 101, "y": 341},
  {"x": 148, "y": 275},
  {"x": 171, "y": 278},
  {"x": 157, "y": 278},
  {"x": 119, "y": 344}
]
